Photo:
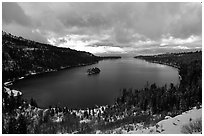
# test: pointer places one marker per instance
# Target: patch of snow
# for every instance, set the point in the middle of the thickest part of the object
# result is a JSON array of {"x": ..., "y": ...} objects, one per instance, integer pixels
[
  {"x": 33, "y": 73},
  {"x": 75, "y": 132},
  {"x": 167, "y": 117},
  {"x": 58, "y": 119},
  {"x": 8, "y": 83},
  {"x": 98, "y": 132},
  {"x": 15, "y": 92},
  {"x": 85, "y": 121},
  {"x": 172, "y": 125},
  {"x": 21, "y": 78}
]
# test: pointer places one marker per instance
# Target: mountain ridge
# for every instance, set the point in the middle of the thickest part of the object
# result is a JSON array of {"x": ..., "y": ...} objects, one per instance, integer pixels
[{"x": 22, "y": 57}]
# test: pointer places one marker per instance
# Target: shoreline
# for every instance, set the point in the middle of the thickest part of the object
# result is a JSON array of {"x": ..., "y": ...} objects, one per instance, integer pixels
[
  {"x": 10, "y": 83},
  {"x": 9, "y": 89},
  {"x": 80, "y": 112},
  {"x": 160, "y": 62},
  {"x": 163, "y": 63},
  {"x": 30, "y": 74}
]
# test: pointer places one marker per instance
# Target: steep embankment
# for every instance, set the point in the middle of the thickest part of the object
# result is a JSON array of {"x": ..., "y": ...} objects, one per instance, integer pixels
[{"x": 22, "y": 57}]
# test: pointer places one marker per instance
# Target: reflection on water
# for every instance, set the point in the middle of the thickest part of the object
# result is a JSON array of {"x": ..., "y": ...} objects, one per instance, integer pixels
[{"x": 75, "y": 89}]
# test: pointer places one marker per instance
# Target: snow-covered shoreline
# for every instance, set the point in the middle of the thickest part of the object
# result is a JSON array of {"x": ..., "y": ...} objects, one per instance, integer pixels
[
  {"x": 15, "y": 92},
  {"x": 33, "y": 73},
  {"x": 59, "y": 116}
]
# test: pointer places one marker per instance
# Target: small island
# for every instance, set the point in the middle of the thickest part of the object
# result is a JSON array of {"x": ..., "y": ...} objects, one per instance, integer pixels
[{"x": 92, "y": 71}]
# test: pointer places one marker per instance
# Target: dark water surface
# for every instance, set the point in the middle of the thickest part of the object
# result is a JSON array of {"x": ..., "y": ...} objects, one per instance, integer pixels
[{"x": 75, "y": 89}]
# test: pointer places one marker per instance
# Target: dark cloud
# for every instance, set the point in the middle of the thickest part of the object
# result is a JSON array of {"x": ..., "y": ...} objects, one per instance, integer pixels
[
  {"x": 25, "y": 32},
  {"x": 188, "y": 22},
  {"x": 12, "y": 12},
  {"x": 129, "y": 25}
]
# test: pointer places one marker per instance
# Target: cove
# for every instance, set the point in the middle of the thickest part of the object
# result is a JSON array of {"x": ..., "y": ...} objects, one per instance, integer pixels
[{"x": 75, "y": 89}]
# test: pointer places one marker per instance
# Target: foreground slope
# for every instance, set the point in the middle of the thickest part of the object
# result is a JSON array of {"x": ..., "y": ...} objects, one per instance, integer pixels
[
  {"x": 189, "y": 122},
  {"x": 176, "y": 125}
]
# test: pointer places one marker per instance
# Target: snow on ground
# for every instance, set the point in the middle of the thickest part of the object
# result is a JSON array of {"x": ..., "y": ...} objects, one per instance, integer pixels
[
  {"x": 85, "y": 121},
  {"x": 15, "y": 92},
  {"x": 57, "y": 119},
  {"x": 8, "y": 83},
  {"x": 167, "y": 126},
  {"x": 172, "y": 125},
  {"x": 21, "y": 78}
]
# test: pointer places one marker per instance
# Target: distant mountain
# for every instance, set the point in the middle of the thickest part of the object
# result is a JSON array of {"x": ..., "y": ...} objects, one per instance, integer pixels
[{"x": 22, "y": 57}]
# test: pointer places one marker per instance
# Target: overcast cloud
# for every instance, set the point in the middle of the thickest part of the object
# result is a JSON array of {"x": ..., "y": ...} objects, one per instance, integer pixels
[{"x": 105, "y": 28}]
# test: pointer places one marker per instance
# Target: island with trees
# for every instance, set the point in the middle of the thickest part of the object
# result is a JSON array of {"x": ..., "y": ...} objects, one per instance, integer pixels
[{"x": 92, "y": 71}]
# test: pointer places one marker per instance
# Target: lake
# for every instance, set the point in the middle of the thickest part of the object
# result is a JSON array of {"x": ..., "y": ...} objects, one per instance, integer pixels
[{"x": 75, "y": 89}]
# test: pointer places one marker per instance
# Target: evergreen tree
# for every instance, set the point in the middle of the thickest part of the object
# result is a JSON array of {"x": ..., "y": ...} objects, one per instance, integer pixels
[
  {"x": 12, "y": 103},
  {"x": 22, "y": 127},
  {"x": 18, "y": 100},
  {"x": 12, "y": 126},
  {"x": 33, "y": 103}
]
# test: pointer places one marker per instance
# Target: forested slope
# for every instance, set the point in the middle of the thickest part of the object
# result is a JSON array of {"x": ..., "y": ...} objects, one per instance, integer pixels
[
  {"x": 21, "y": 57},
  {"x": 189, "y": 92}
]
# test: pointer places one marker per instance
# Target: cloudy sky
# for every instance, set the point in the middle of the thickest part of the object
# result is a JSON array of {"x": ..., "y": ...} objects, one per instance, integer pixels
[{"x": 108, "y": 28}]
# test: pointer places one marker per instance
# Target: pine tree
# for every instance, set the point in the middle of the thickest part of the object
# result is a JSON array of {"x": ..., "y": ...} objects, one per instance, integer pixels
[
  {"x": 12, "y": 103},
  {"x": 22, "y": 127},
  {"x": 18, "y": 100},
  {"x": 33, "y": 103},
  {"x": 12, "y": 126}
]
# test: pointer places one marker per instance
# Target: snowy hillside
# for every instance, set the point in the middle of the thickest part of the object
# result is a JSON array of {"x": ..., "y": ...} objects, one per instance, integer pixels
[
  {"x": 169, "y": 125},
  {"x": 174, "y": 125}
]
